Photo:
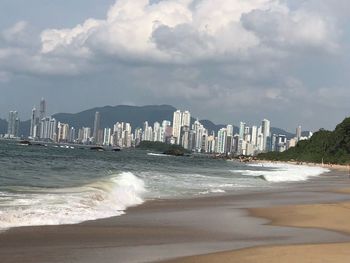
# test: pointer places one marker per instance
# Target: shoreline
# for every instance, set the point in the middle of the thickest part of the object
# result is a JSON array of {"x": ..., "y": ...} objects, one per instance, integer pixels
[
  {"x": 331, "y": 217},
  {"x": 161, "y": 230},
  {"x": 337, "y": 167}
]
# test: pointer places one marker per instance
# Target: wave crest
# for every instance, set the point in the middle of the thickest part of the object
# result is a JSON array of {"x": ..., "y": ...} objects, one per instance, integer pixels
[
  {"x": 102, "y": 199},
  {"x": 279, "y": 172}
]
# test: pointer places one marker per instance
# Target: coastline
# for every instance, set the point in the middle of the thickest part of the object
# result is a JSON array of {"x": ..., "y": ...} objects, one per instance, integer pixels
[
  {"x": 337, "y": 167},
  {"x": 331, "y": 216},
  {"x": 162, "y": 230}
]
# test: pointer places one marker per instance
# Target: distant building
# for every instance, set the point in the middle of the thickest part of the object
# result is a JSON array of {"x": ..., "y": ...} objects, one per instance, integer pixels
[
  {"x": 177, "y": 122},
  {"x": 13, "y": 123},
  {"x": 107, "y": 136},
  {"x": 48, "y": 128},
  {"x": 298, "y": 133},
  {"x": 97, "y": 128},
  {"x": 86, "y": 135},
  {"x": 33, "y": 124},
  {"x": 265, "y": 129},
  {"x": 221, "y": 143},
  {"x": 63, "y": 132},
  {"x": 42, "y": 109}
]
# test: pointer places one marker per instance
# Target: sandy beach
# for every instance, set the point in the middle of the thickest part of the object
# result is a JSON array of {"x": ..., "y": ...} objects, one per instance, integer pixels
[{"x": 304, "y": 221}]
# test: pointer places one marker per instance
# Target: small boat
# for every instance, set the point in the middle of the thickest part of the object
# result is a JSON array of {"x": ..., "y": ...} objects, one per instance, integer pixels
[
  {"x": 24, "y": 143},
  {"x": 97, "y": 148},
  {"x": 116, "y": 150}
]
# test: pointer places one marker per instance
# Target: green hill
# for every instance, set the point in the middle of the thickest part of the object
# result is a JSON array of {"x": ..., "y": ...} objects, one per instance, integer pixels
[{"x": 329, "y": 146}]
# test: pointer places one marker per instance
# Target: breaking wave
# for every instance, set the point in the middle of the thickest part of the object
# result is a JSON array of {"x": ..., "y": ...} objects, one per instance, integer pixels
[
  {"x": 279, "y": 172},
  {"x": 102, "y": 199}
]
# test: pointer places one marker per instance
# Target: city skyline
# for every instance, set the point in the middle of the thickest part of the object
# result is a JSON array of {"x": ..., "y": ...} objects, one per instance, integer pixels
[
  {"x": 183, "y": 130},
  {"x": 285, "y": 59},
  {"x": 41, "y": 111}
]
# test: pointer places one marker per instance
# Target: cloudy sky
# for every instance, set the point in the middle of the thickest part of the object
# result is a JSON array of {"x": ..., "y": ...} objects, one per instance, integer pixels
[{"x": 226, "y": 60}]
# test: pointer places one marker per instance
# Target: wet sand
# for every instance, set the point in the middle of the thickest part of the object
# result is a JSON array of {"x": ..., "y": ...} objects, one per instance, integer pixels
[{"x": 166, "y": 229}]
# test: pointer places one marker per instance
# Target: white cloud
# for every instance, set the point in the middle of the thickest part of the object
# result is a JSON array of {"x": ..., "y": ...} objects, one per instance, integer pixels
[{"x": 189, "y": 31}]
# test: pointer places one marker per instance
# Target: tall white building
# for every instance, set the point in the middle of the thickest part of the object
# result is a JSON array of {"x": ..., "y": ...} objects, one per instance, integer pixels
[
  {"x": 97, "y": 125},
  {"x": 33, "y": 123},
  {"x": 13, "y": 124},
  {"x": 177, "y": 122},
  {"x": 72, "y": 134},
  {"x": 198, "y": 130},
  {"x": 86, "y": 138},
  {"x": 186, "y": 119},
  {"x": 42, "y": 109},
  {"x": 241, "y": 130},
  {"x": 229, "y": 129},
  {"x": 221, "y": 143},
  {"x": 265, "y": 129},
  {"x": 107, "y": 135},
  {"x": 298, "y": 133},
  {"x": 63, "y": 132},
  {"x": 48, "y": 128},
  {"x": 157, "y": 132},
  {"x": 254, "y": 135}
]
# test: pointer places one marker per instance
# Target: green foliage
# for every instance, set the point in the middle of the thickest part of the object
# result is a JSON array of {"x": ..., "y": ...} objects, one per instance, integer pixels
[{"x": 331, "y": 147}]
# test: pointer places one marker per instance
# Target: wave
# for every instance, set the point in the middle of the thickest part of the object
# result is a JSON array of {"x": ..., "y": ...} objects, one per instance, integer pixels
[
  {"x": 102, "y": 199},
  {"x": 280, "y": 172}
]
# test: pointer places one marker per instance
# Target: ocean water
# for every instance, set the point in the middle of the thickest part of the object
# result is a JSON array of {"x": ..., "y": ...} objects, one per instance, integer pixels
[{"x": 52, "y": 185}]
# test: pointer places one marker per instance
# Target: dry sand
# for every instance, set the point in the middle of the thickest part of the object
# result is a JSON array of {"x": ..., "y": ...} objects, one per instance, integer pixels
[
  {"x": 325, "y": 253},
  {"x": 331, "y": 216}
]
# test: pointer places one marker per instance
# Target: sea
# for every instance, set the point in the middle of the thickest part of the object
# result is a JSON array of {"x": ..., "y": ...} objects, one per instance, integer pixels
[{"x": 57, "y": 184}]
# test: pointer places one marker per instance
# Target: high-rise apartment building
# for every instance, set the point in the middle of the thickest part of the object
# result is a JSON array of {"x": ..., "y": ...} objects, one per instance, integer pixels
[
  {"x": 177, "y": 121},
  {"x": 48, "y": 127},
  {"x": 63, "y": 132},
  {"x": 298, "y": 133},
  {"x": 42, "y": 109},
  {"x": 221, "y": 143},
  {"x": 33, "y": 123},
  {"x": 13, "y": 123},
  {"x": 97, "y": 128},
  {"x": 265, "y": 129},
  {"x": 186, "y": 119}
]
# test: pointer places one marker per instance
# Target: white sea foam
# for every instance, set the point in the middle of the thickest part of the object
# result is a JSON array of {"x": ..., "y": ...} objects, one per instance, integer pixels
[
  {"x": 279, "y": 172},
  {"x": 106, "y": 198}
]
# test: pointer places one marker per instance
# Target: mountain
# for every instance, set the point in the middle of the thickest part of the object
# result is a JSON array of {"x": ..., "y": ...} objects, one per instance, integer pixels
[
  {"x": 132, "y": 114},
  {"x": 136, "y": 116},
  {"x": 211, "y": 126},
  {"x": 327, "y": 146}
]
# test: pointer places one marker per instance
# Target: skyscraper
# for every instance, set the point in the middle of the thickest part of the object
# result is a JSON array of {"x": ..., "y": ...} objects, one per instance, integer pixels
[
  {"x": 42, "y": 110},
  {"x": 48, "y": 129},
  {"x": 254, "y": 135},
  {"x": 186, "y": 119},
  {"x": 13, "y": 124},
  {"x": 177, "y": 126},
  {"x": 221, "y": 144},
  {"x": 33, "y": 123},
  {"x": 241, "y": 130},
  {"x": 265, "y": 129},
  {"x": 97, "y": 124},
  {"x": 298, "y": 133}
]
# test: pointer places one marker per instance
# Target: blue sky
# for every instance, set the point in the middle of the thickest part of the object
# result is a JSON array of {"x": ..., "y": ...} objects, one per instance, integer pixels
[{"x": 226, "y": 60}]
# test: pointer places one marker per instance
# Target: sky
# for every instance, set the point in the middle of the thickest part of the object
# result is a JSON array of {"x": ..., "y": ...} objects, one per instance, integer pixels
[{"x": 224, "y": 60}]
